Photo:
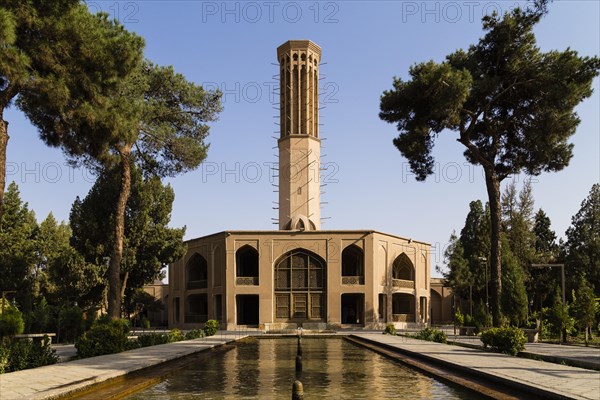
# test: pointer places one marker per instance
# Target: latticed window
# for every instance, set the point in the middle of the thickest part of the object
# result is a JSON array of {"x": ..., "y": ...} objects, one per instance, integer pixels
[{"x": 299, "y": 287}]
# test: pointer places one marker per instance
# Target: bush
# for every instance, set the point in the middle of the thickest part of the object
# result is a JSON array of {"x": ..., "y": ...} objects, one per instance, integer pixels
[
  {"x": 152, "y": 339},
  {"x": 106, "y": 336},
  {"x": 41, "y": 353},
  {"x": 194, "y": 334},
  {"x": 175, "y": 335},
  {"x": 11, "y": 321},
  {"x": 509, "y": 340},
  {"x": 459, "y": 318},
  {"x": 71, "y": 323},
  {"x": 431, "y": 335},
  {"x": 210, "y": 327},
  {"x": 390, "y": 329},
  {"x": 23, "y": 354}
]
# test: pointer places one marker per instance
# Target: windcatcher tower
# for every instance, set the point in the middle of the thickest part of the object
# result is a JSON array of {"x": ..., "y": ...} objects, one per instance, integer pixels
[{"x": 299, "y": 143}]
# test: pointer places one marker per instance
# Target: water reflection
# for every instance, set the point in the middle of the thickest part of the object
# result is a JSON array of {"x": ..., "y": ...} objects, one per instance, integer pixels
[{"x": 264, "y": 369}]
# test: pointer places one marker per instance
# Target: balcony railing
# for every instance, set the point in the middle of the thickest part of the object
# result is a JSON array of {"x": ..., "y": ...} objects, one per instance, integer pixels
[
  {"x": 195, "y": 318},
  {"x": 197, "y": 284},
  {"x": 403, "y": 317},
  {"x": 247, "y": 280},
  {"x": 353, "y": 280},
  {"x": 402, "y": 283}
]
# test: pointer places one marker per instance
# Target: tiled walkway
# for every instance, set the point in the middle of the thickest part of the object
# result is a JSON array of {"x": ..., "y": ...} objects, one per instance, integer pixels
[
  {"x": 553, "y": 380},
  {"x": 560, "y": 380},
  {"x": 59, "y": 379}
]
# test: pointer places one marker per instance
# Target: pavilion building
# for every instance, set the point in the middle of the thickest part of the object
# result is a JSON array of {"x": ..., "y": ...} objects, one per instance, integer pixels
[{"x": 300, "y": 275}]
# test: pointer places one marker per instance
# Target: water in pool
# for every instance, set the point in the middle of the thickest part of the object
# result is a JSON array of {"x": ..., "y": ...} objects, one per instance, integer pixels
[{"x": 265, "y": 369}]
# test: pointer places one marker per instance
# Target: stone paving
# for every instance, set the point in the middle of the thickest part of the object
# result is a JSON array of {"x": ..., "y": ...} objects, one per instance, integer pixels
[
  {"x": 567, "y": 382},
  {"x": 555, "y": 380},
  {"x": 59, "y": 379},
  {"x": 577, "y": 356}
]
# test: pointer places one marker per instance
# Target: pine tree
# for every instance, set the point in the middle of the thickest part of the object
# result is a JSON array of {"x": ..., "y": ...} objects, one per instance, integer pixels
[
  {"x": 511, "y": 105},
  {"x": 17, "y": 252},
  {"x": 582, "y": 248}
]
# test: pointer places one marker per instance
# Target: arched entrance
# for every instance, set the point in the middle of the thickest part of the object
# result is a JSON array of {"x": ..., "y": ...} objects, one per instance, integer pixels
[{"x": 300, "y": 287}]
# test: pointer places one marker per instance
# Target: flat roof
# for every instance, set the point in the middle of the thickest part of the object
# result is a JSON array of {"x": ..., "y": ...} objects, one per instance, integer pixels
[{"x": 299, "y": 232}]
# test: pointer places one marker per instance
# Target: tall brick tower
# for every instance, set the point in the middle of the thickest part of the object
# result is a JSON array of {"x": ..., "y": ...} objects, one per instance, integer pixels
[{"x": 299, "y": 143}]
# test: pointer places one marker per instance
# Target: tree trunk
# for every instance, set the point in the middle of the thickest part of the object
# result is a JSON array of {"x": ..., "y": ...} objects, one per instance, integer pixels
[
  {"x": 3, "y": 143},
  {"x": 114, "y": 268},
  {"x": 493, "y": 189},
  {"x": 124, "y": 284}
]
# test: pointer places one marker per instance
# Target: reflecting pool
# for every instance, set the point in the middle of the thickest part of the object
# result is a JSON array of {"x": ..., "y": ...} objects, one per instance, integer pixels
[{"x": 265, "y": 369}]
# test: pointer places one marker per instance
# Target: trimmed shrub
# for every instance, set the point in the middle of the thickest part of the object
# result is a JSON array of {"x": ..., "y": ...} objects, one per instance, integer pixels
[
  {"x": 390, "y": 329},
  {"x": 41, "y": 353},
  {"x": 508, "y": 340},
  {"x": 23, "y": 354},
  {"x": 175, "y": 335},
  {"x": 211, "y": 327},
  {"x": 459, "y": 318},
  {"x": 152, "y": 339},
  {"x": 71, "y": 322},
  {"x": 11, "y": 321},
  {"x": 431, "y": 335},
  {"x": 106, "y": 336},
  {"x": 194, "y": 334}
]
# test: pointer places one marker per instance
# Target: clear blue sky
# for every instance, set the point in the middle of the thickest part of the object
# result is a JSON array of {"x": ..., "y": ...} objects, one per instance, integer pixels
[{"x": 232, "y": 45}]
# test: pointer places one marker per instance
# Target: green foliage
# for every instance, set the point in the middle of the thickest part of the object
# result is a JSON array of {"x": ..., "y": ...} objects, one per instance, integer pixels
[
  {"x": 459, "y": 318},
  {"x": 76, "y": 280},
  {"x": 70, "y": 323},
  {"x": 509, "y": 340},
  {"x": 584, "y": 305},
  {"x": 150, "y": 243},
  {"x": 542, "y": 281},
  {"x": 39, "y": 318},
  {"x": 510, "y": 105},
  {"x": 582, "y": 248},
  {"x": 467, "y": 255},
  {"x": 211, "y": 327},
  {"x": 107, "y": 336},
  {"x": 469, "y": 320},
  {"x": 481, "y": 319},
  {"x": 11, "y": 321},
  {"x": 390, "y": 329},
  {"x": 431, "y": 335},
  {"x": 195, "y": 334},
  {"x": 28, "y": 42},
  {"x": 17, "y": 252},
  {"x": 152, "y": 339},
  {"x": 558, "y": 315},
  {"x": 4, "y": 355},
  {"x": 23, "y": 354},
  {"x": 514, "y": 296},
  {"x": 175, "y": 335},
  {"x": 51, "y": 241}
]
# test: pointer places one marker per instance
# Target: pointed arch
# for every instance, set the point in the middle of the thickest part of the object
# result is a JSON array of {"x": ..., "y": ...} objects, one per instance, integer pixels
[
  {"x": 353, "y": 265},
  {"x": 196, "y": 271},
  {"x": 403, "y": 268},
  {"x": 246, "y": 265},
  {"x": 300, "y": 286}
]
